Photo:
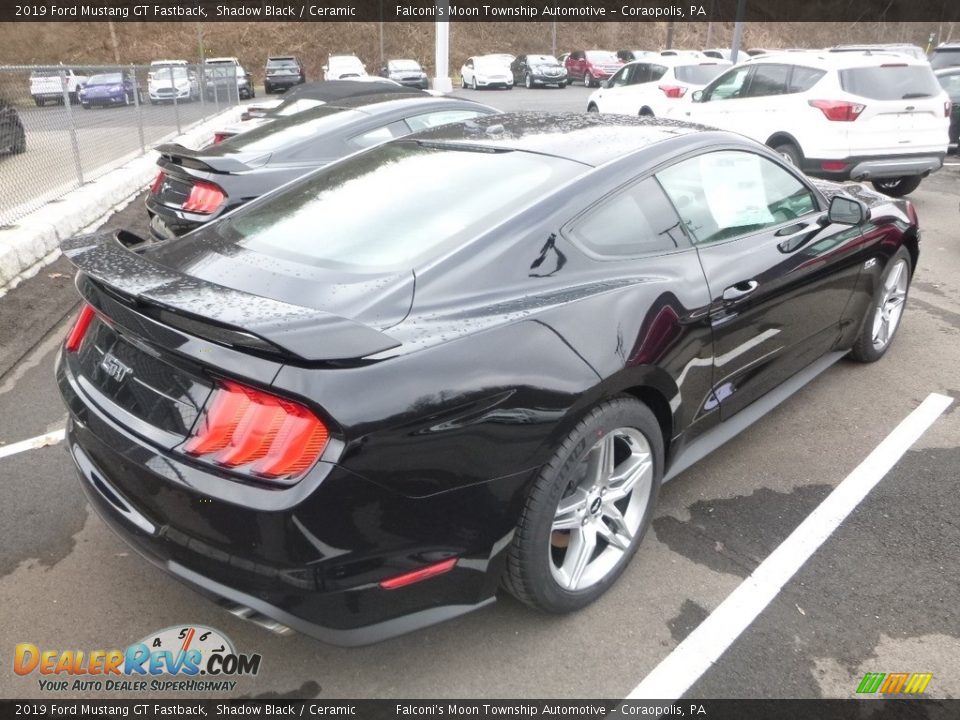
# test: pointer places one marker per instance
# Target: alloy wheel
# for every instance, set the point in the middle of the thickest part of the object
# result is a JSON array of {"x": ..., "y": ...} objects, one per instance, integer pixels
[
  {"x": 889, "y": 308},
  {"x": 601, "y": 512}
]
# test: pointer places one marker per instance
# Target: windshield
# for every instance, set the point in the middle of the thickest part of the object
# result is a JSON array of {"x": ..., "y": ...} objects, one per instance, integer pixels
[
  {"x": 106, "y": 79},
  {"x": 401, "y": 65},
  {"x": 699, "y": 74},
  {"x": 490, "y": 64},
  {"x": 601, "y": 56},
  {"x": 330, "y": 217},
  {"x": 891, "y": 82},
  {"x": 177, "y": 73},
  {"x": 541, "y": 60}
]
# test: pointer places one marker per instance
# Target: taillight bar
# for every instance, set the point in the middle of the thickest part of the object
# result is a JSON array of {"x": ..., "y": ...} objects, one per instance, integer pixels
[
  {"x": 79, "y": 329},
  {"x": 157, "y": 182},
  {"x": 257, "y": 433},
  {"x": 673, "y": 91},
  {"x": 838, "y": 110},
  {"x": 205, "y": 197}
]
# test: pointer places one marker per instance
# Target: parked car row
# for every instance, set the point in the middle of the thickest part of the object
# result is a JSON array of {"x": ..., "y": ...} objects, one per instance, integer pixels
[{"x": 877, "y": 116}]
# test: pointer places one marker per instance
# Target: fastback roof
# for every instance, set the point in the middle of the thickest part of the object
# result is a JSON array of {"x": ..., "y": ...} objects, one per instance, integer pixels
[{"x": 592, "y": 139}]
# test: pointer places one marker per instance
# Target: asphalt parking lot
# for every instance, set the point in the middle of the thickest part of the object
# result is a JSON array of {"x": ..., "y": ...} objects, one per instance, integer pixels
[{"x": 879, "y": 595}]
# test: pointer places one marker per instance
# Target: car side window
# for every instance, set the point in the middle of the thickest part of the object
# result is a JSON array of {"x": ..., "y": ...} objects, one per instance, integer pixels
[
  {"x": 728, "y": 193},
  {"x": 439, "y": 117},
  {"x": 727, "y": 86},
  {"x": 469, "y": 62},
  {"x": 636, "y": 221},
  {"x": 622, "y": 76},
  {"x": 641, "y": 74},
  {"x": 768, "y": 79},
  {"x": 804, "y": 78},
  {"x": 378, "y": 135},
  {"x": 656, "y": 72}
]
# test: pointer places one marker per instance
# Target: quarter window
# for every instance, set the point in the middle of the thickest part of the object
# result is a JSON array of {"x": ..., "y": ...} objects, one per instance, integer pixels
[
  {"x": 440, "y": 117},
  {"x": 637, "y": 221},
  {"x": 725, "y": 194},
  {"x": 804, "y": 78}
]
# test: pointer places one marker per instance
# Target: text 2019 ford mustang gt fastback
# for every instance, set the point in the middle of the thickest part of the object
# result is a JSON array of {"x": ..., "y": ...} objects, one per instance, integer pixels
[{"x": 462, "y": 361}]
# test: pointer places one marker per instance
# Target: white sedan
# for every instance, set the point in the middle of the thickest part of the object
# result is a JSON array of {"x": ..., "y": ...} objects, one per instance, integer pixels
[
  {"x": 486, "y": 71},
  {"x": 650, "y": 86}
]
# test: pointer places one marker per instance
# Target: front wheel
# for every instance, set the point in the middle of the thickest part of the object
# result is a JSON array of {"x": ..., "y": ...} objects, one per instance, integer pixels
[
  {"x": 586, "y": 80},
  {"x": 588, "y": 509},
  {"x": 883, "y": 316},
  {"x": 528, "y": 82},
  {"x": 897, "y": 187}
]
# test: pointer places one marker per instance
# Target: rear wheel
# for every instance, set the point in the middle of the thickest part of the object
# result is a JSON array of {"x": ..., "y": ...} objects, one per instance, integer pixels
[
  {"x": 883, "y": 317},
  {"x": 898, "y": 187},
  {"x": 646, "y": 112},
  {"x": 789, "y": 152},
  {"x": 588, "y": 509}
]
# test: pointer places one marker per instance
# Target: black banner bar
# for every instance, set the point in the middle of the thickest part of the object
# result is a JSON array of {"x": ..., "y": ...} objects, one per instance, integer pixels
[
  {"x": 872, "y": 709},
  {"x": 852, "y": 11}
]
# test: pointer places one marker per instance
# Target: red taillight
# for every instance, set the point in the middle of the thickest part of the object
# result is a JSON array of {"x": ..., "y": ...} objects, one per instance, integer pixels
[
  {"x": 673, "y": 91},
  {"x": 258, "y": 433},
  {"x": 75, "y": 338},
  {"x": 157, "y": 183},
  {"x": 838, "y": 110},
  {"x": 221, "y": 136},
  {"x": 417, "y": 575},
  {"x": 833, "y": 165},
  {"x": 205, "y": 198}
]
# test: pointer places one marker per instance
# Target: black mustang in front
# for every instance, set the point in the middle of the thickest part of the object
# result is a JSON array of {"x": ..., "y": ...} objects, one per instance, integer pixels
[{"x": 460, "y": 361}]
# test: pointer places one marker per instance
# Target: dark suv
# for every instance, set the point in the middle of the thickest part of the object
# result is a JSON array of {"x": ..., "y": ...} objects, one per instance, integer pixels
[
  {"x": 945, "y": 55},
  {"x": 282, "y": 72}
]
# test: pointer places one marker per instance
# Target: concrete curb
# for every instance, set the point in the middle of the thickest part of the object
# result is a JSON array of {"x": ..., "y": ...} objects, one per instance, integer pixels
[{"x": 35, "y": 241}]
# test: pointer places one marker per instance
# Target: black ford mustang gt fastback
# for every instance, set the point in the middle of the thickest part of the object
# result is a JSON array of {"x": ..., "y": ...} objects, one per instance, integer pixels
[{"x": 461, "y": 361}]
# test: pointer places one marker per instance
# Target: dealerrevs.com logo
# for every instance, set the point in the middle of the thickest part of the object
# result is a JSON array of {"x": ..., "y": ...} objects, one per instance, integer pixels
[{"x": 191, "y": 658}]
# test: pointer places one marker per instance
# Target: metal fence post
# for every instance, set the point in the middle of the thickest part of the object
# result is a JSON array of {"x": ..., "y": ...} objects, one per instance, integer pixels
[
  {"x": 73, "y": 127},
  {"x": 176, "y": 107},
  {"x": 203, "y": 91},
  {"x": 139, "y": 105}
]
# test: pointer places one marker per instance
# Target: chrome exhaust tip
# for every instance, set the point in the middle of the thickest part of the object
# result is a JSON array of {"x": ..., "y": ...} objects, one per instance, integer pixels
[{"x": 257, "y": 618}]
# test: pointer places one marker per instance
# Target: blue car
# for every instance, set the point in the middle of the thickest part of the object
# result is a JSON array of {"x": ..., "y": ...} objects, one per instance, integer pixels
[{"x": 110, "y": 89}]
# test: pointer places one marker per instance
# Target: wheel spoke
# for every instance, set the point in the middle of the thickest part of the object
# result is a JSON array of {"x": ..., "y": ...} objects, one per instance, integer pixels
[
  {"x": 567, "y": 516},
  {"x": 619, "y": 535},
  {"x": 627, "y": 475},
  {"x": 579, "y": 553},
  {"x": 600, "y": 461}
]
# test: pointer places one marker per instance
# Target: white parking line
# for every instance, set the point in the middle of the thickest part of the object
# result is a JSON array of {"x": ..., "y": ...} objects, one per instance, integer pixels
[
  {"x": 51, "y": 438},
  {"x": 703, "y": 647}
]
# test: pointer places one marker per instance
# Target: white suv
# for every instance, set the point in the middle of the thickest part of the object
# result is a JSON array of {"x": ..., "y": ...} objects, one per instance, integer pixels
[
  {"x": 650, "y": 86},
  {"x": 863, "y": 116}
]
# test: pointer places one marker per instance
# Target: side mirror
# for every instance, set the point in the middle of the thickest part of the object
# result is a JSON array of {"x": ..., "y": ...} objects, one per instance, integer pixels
[
  {"x": 607, "y": 84},
  {"x": 847, "y": 211},
  {"x": 697, "y": 96}
]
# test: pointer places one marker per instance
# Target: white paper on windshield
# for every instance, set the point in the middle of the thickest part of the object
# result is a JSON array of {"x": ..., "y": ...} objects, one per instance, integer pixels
[{"x": 733, "y": 186}]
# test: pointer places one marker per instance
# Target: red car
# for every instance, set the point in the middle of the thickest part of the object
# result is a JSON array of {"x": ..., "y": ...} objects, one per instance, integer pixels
[{"x": 592, "y": 66}]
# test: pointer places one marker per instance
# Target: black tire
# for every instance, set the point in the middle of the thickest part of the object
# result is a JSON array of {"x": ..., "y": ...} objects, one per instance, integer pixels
[
  {"x": 646, "y": 112},
  {"x": 897, "y": 187},
  {"x": 864, "y": 350},
  {"x": 561, "y": 86},
  {"x": 40, "y": 102},
  {"x": 86, "y": 106},
  {"x": 528, "y": 81},
  {"x": 473, "y": 83},
  {"x": 591, "y": 108},
  {"x": 73, "y": 96},
  {"x": 587, "y": 82},
  {"x": 528, "y": 575},
  {"x": 789, "y": 152}
]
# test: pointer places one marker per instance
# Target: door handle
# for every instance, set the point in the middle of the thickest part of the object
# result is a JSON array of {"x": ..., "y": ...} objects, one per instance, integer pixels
[{"x": 741, "y": 289}]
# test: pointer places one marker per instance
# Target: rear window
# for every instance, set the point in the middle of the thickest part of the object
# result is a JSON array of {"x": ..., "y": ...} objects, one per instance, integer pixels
[
  {"x": 602, "y": 56},
  {"x": 282, "y": 63},
  {"x": 285, "y": 131},
  {"x": 945, "y": 57},
  {"x": 892, "y": 82},
  {"x": 699, "y": 74},
  {"x": 332, "y": 218}
]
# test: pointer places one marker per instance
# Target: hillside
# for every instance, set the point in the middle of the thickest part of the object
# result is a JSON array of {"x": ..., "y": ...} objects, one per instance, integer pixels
[{"x": 28, "y": 43}]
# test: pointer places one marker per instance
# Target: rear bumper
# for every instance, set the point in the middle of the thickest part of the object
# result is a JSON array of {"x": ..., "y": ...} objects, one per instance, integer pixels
[
  {"x": 872, "y": 168},
  {"x": 308, "y": 557},
  {"x": 283, "y": 81}
]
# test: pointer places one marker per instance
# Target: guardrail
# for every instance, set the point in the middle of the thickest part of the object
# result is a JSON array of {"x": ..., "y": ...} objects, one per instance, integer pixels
[{"x": 64, "y": 126}]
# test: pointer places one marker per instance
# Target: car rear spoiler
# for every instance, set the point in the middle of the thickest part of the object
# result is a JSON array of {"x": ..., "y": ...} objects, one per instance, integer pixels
[
  {"x": 106, "y": 259},
  {"x": 179, "y": 155}
]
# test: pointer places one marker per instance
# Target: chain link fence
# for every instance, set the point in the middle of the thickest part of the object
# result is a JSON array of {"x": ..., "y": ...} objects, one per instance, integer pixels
[{"x": 62, "y": 126}]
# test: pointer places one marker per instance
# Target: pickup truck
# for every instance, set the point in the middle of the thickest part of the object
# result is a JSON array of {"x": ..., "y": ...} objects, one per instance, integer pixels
[{"x": 45, "y": 84}]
